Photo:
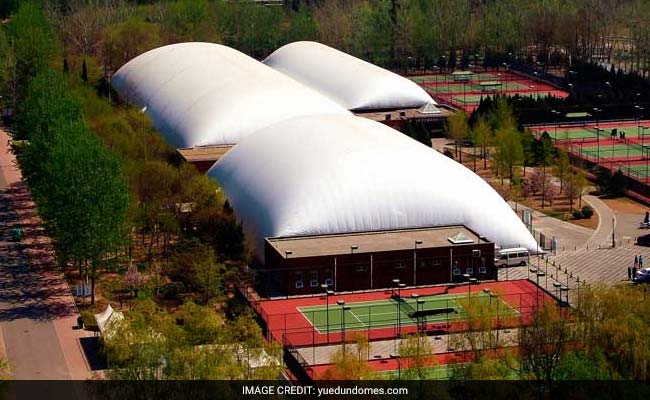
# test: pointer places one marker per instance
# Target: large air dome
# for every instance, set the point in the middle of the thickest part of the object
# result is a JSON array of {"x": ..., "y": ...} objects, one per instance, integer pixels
[
  {"x": 200, "y": 94},
  {"x": 353, "y": 83},
  {"x": 341, "y": 174}
]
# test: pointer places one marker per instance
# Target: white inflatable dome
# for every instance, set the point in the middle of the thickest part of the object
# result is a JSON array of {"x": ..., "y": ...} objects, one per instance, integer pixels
[
  {"x": 353, "y": 83},
  {"x": 200, "y": 94},
  {"x": 340, "y": 174}
]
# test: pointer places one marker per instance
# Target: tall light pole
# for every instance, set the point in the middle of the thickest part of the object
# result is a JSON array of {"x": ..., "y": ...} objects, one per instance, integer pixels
[
  {"x": 344, "y": 308},
  {"x": 415, "y": 266},
  {"x": 328, "y": 293},
  {"x": 396, "y": 285}
]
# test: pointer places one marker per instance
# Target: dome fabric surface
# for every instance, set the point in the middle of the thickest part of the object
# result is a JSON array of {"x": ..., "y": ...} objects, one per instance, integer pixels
[
  {"x": 341, "y": 174},
  {"x": 200, "y": 94},
  {"x": 353, "y": 83}
]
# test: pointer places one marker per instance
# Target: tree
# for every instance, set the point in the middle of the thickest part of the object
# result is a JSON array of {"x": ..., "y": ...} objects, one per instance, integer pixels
[
  {"x": 416, "y": 355},
  {"x": 543, "y": 343},
  {"x": 482, "y": 136},
  {"x": 562, "y": 166},
  {"x": 509, "y": 152},
  {"x": 8, "y": 79},
  {"x": 126, "y": 40},
  {"x": 190, "y": 20},
  {"x": 550, "y": 192},
  {"x": 458, "y": 129},
  {"x": 133, "y": 279},
  {"x": 84, "y": 71},
  {"x": 210, "y": 277},
  {"x": 201, "y": 325},
  {"x": 345, "y": 365},
  {"x": 77, "y": 182},
  {"x": 33, "y": 42},
  {"x": 544, "y": 157}
]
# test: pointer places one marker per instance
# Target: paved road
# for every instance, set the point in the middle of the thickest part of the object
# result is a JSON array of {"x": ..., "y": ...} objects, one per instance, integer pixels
[{"x": 37, "y": 312}]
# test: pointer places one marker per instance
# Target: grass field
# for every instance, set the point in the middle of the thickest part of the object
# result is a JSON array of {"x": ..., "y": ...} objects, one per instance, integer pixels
[{"x": 383, "y": 313}]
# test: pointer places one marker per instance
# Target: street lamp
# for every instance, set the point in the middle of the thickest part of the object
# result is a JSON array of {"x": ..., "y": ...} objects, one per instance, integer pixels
[
  {"x": 538, "y": 274},
  {"x": 397, "y": 285},
  {"x": 341, "y": 304},
  {"x": 415, "y": 266},
  {"x": 416, "y": 297},
  {"x": 469, "y": 287},
  {"x": 328, "y": 293}
]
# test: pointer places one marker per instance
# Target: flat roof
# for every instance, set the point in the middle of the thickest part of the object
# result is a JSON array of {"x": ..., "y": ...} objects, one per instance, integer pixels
[
  {"x": 371, "y": 242},
  {"x": 204, "y": 153},
  {"x": 409, "y": 113}
]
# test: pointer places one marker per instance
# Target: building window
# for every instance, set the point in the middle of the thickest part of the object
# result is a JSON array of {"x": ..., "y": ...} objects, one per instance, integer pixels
[
  {"x": 456, "y": 271},
  {"x": 469, "y": 270},
  {"x": 313, "y": 279},
  {"x": 299, "y": 283},
  {"x": 482, "y": 270},
  {"x": 328, "y": 277},
  {"x": 362, "y": 268}
]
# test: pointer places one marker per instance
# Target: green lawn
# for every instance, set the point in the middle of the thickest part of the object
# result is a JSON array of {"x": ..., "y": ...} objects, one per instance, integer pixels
[{"x": 384, "y": 313}]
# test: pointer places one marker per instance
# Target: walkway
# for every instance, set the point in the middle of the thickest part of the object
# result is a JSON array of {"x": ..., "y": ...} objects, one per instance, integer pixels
[
  {"x": 606, "y": 221},
  {"x": 569, "y": 236},
  {"x": 37, "y": 311}
]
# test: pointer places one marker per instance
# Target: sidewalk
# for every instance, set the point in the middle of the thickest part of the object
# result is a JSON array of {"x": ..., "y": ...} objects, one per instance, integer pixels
[{"x": 37, "y": 310}]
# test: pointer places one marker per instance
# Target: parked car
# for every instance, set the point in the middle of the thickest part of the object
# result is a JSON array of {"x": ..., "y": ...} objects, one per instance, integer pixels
[
  {"x": 643, "y": 240},
  {"x": 642, "y": 275}
]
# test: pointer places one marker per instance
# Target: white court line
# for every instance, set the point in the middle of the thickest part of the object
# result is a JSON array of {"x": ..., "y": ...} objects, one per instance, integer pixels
[{"x": 355, "y": 316}]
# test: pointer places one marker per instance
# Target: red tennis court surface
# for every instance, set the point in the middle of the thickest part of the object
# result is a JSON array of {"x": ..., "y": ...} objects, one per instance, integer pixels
[
  {"x": 467, "y": 94},
  {"x": 287, "y": 325}
]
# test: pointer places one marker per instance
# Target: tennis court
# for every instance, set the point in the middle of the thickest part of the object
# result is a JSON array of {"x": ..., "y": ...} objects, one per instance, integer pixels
[
  {"x": 378, "y": 315},
  {"x": 403, "y": 311},
  {"x": 635, "y": 130},
  {"x": 636, "y": 170},
  {"x": 437, "y": 372},
  {"x": 464, "y": 89},
  {"x": 616, "y": 151}
]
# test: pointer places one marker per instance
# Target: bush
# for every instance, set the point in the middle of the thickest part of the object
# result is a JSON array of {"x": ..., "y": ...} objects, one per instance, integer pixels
[
  {"x": 577, "y": 214},
  {"x": 587, "y": 212}
]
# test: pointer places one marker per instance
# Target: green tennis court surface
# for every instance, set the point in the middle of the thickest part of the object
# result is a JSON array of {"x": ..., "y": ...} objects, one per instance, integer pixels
[
  {"x": 443, "y": 371},
  {"x": 617, "y": 150},
  {"x": 642, "y": 170},
  {"x": 384, "y": 313},
  {"x": 486, "y": 76},
  {"x": 573, "y": 133}
]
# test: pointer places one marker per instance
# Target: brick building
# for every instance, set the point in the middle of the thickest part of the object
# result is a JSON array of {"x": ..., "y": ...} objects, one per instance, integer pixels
[{"x": 371, "y": 260}]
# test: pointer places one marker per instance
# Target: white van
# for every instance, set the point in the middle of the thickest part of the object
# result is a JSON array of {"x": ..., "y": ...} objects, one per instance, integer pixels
[{"x": 512, "y": 256}]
